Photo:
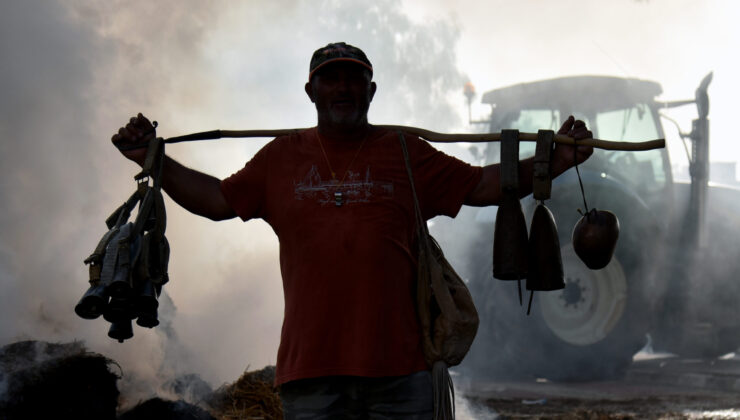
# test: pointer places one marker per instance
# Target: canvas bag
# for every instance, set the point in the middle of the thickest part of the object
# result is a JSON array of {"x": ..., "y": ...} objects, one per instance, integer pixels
[{"x": 445, "y": 308}]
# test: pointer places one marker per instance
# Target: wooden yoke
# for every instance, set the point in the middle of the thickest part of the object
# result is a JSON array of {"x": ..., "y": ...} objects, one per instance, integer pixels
[{"x": 432, "y": 136}]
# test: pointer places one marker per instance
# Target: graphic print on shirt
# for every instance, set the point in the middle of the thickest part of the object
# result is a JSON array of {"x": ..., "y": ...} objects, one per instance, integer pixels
[{"x": 354, "y": 189}]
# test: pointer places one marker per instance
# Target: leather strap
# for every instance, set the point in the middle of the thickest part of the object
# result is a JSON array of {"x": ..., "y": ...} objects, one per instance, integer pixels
[
  {"x": 510, "y": 160},
  {"x": 542, "y": 180},
  {"x": 153, "y": 160}
]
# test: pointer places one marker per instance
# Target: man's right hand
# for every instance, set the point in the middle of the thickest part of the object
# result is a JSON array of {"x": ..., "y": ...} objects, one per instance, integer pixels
[
  {"x": 139, "y": 131},
  {"x": 195, "y": 191}
]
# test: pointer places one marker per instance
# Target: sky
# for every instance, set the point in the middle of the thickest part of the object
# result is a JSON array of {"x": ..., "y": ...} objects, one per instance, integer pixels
[{"x": 74, "y": 71}]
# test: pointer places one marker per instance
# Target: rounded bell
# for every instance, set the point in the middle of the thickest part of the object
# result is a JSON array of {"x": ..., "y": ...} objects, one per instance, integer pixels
[{"x": 595, "y": 238}]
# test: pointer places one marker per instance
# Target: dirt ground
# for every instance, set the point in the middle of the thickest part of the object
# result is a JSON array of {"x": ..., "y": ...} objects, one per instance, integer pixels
[
  {"x": 678, "y": 407},
  {"x": 669, "y": 388}
]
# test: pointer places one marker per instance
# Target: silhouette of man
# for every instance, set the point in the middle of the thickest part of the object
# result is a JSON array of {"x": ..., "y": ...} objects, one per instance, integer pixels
[{"x": 338, "y": 197}]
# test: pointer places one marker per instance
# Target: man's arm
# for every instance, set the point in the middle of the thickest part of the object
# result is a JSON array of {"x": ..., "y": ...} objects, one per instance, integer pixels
[
  {"x": 488, "y": 190},
  {"x": 195, "y": 191}
]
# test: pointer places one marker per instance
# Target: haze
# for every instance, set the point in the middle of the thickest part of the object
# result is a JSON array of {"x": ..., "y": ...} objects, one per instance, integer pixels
[{"x": 72, "y": 72}]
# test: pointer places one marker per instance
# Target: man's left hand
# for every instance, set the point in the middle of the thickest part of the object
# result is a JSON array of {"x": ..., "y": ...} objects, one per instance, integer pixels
[{"x": 564, "y": 156}]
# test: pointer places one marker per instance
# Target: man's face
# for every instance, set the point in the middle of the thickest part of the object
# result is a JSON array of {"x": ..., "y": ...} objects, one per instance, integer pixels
[{"x": 342, "y": 93}]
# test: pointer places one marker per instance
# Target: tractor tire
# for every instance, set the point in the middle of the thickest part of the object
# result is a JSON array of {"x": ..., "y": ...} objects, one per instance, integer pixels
[
  {"x": 588, "y": 331},
  {"x": 591, "y": 329}
]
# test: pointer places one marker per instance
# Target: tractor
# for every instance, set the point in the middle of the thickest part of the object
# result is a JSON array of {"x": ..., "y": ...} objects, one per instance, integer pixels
[{"x": 671, "y": 285}]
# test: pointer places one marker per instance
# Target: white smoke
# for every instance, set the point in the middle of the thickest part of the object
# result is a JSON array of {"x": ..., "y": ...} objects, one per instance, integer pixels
[{"x": 73, "y": 72}]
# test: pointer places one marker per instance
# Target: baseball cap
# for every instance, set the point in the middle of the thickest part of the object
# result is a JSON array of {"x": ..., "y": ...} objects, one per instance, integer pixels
[{"x": 338, "y": 51}]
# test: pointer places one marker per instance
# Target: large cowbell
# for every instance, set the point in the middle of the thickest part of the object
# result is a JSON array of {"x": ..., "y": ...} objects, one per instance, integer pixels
[
  {"x": 510, "y": 244},
  {"x": 545, "y": 262}
]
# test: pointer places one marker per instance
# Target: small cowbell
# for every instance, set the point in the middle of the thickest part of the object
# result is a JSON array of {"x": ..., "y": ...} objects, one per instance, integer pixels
[
  {"x": 93, "y": 302},
  {"x": 119, "y": 309},
  {"x": 545, "y": 262},
  {"x": 128, "y": 247},
  {"x": 146, "y": 305},
  {"x": 121, "y": 330}
]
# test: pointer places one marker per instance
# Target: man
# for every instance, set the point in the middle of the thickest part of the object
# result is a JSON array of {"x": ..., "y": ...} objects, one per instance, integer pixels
[{"x": 338, "y": 197}]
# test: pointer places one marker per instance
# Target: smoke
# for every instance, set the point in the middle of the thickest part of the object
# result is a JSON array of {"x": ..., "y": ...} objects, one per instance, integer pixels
[
  {"x": 46, "y": 187},
  {"x": 73, "y": 72}
]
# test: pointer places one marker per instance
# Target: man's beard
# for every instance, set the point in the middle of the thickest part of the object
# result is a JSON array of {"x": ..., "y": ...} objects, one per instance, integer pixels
[{"x": 349, "y": 120}]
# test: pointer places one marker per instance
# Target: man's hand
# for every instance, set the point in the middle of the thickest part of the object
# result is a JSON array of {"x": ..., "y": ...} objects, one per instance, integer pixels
[
  {"x": 195, "y": 191},
  {"x": 139, "y": 131},
  {"x": 488, "y": 190},
  {"x": 565, "y": 156}
]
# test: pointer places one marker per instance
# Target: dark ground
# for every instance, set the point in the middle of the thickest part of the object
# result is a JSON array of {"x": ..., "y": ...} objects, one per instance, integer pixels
[{"x": 654, "y": 388}]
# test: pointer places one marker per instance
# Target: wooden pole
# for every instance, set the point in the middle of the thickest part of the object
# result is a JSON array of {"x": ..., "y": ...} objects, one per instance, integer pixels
[{"x": 433, "y": 136}]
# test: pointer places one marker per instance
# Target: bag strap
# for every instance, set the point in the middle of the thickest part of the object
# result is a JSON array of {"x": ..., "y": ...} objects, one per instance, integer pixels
[
  {"x": 443, "y": 390},
  {"x": 420, "y": 223}
]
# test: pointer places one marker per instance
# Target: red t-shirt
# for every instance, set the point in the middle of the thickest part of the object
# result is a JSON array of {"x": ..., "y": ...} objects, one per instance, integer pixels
[{"x": 348, "y": 271}]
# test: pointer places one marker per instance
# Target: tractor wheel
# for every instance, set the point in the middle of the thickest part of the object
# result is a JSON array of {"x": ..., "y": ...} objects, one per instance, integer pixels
[
  {"x": 592, "y": 328},
  {"x": 588, "y": 331}
]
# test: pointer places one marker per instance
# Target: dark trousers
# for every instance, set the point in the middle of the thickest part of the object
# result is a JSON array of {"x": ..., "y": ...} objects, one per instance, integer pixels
[{"x": 352, "y": 397}]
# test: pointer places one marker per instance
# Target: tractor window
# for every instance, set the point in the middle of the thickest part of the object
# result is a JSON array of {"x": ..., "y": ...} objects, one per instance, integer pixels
[
  {"x": 634, "y": 124},
  {"x": 526, "y": 121},
  {"x": 531, "y": 120}
]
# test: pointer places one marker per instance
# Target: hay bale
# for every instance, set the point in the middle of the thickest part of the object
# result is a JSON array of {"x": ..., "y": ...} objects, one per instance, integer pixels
[
  {"x": 159, "y": 409},
  {"x": 24, "y": 354},
  {"x": 49, "y": 380},
  {"x": 252, "y": 396}
]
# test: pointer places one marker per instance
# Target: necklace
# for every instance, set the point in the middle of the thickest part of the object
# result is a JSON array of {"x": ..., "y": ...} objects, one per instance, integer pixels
[{"x": 338, "y": 197}]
